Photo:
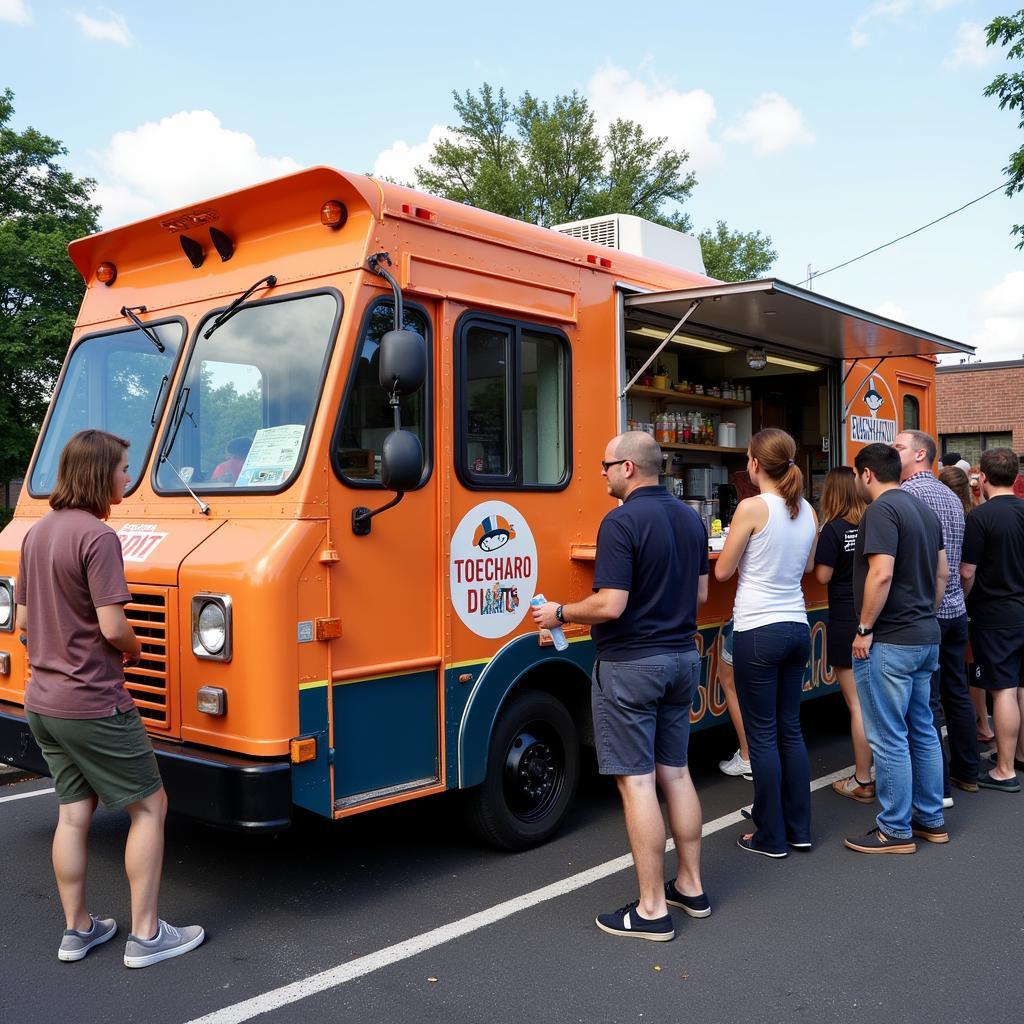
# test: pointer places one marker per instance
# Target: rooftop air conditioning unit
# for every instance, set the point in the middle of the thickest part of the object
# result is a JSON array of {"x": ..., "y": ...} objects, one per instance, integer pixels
[{"x": 639, "y": 237}]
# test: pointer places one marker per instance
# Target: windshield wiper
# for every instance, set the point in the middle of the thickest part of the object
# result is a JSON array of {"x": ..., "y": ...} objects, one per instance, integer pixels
[
  {"x": 270, "y": 280},
  {"x": 179, "y": 412},
  {"x": 156, "y": 404},
  {"x": 129, "y": 311}
]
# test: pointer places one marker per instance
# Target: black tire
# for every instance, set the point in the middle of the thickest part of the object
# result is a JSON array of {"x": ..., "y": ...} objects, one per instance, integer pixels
[{"x": 533, "y": 766}]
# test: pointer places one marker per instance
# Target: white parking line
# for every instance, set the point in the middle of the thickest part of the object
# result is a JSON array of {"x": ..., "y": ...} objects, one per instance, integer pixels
[
  {"x": 25, "y": 796},
  {"x": 335, "y": 976}
]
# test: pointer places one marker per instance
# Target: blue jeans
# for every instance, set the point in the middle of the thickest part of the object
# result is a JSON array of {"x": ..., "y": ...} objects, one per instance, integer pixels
[
  {"x": 769, "y": 663},
  {"x": 894, "y": 687}
]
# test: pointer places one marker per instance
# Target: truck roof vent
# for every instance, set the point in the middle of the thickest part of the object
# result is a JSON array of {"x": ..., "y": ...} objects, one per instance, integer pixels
[
  {"x": 640, "y": 237},
  {"x": 599, "y": 230}
]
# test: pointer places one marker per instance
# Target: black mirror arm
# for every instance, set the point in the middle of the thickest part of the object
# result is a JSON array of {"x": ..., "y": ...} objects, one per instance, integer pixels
[
  {"x": 362, "y": 516},
  {"x": 376, "y": 264}
]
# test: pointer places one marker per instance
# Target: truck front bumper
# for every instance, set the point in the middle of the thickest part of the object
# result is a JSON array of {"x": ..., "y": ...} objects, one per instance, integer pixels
[{"x": 233, "y": 792}]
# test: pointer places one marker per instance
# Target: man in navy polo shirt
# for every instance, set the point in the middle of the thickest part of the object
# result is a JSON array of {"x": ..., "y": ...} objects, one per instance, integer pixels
[{"x": 651, "y": 573}]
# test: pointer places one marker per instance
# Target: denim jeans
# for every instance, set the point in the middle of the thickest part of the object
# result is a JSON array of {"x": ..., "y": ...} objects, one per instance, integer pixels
[
  {"x": 951, "y": 699},
  {"x": 894, "y": 687},
  {"x": 769, "y": 662}
]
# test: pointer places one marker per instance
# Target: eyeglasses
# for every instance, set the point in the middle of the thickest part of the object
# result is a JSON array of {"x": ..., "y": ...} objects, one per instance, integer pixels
[{"x": 608, "y": 465}]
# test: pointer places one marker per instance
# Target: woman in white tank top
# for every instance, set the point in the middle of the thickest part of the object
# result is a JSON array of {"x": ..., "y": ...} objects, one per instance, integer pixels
[{"x": 771, "y": 543}]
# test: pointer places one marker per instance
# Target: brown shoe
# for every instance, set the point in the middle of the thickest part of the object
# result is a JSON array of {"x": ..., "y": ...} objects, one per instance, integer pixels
[
  {"x": 964, "y": 784},
  {"x": 932, "y": 833},
  {"x": 852, "y": 787}
]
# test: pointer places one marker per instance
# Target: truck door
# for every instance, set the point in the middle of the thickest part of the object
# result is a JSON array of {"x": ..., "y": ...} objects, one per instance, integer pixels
[{"x": 386, "y": 696}]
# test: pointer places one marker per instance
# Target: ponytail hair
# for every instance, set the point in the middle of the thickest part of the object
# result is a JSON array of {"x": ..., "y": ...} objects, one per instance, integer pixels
[{"x": 775, "y": 452}]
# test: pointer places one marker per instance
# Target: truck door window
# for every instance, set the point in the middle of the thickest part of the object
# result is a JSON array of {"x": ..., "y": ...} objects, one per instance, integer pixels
[
  {"x": 366, "y": 416},
  {"x": 115, "y": 382},
  {"x": 513, "y": 405},
  {"x": 254, "y": 387}
]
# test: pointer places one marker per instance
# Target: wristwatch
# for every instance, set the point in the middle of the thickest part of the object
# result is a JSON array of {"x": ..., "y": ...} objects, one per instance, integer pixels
[
  {"x": 865, "y": 630},
  {"x": 559, "y": 615}
]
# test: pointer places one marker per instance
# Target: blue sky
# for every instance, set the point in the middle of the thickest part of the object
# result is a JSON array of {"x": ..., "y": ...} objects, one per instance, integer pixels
[{"x": 832, "y": 127}]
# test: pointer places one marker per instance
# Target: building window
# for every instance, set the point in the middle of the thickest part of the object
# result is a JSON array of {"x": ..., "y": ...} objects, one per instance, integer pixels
[
  {"x": 970, "y": 446},
  {"x": 911, "y": 413},
  {"x": 512, "y": 417}
]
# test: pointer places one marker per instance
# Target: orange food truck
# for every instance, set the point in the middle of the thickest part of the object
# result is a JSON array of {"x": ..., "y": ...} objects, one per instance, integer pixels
[{"x": 366, "y": 428}]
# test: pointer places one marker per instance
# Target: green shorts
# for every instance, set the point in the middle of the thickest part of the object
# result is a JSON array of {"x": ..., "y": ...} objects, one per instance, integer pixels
[{"x": 110, "y": 758}]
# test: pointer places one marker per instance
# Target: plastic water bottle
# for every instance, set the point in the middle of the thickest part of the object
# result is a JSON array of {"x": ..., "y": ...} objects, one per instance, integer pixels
[{"x": 557, "y": 633}]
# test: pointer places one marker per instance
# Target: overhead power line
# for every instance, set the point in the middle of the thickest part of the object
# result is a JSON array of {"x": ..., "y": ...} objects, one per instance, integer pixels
[{"x": 878, "y": 248}]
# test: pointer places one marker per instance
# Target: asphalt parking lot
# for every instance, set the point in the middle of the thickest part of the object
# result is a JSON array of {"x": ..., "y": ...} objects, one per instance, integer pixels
[{"x": 400, "y": 915}]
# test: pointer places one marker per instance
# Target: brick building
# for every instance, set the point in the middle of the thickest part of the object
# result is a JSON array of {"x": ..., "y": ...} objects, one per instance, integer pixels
[{"x": 979, "y": 406}]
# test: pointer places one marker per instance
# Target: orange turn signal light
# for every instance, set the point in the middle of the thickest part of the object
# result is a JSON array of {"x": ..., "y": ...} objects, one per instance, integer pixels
[
  {"x": 333, "y": 214},
  {"x": 302, "y": 749},
  {"x": 106, "y": 273}
]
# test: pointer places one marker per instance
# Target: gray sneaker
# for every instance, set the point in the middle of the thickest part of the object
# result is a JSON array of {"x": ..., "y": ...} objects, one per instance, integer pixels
[
  {"x": 168, "y": 942},
  {"x": 75, "y": 945}
]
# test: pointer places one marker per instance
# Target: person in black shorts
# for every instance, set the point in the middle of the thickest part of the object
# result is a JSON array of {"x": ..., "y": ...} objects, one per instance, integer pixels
[
  {"x": 842, "y": 507},
  {"x": 650, "y": 574},
  {"x": 992, "y": 570}
]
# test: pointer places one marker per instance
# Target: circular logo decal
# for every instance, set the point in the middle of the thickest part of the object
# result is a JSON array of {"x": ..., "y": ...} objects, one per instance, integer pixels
[{"x": 493, "y": 569}]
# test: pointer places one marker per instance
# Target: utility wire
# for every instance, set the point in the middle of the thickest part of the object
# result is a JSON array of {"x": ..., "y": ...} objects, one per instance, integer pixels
[{"x": 822, "y": 273}]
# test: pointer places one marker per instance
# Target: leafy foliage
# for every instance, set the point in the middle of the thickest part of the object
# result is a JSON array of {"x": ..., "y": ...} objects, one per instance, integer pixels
[
  {"x": 42, "y": 208},
  {"x": 546, "y": 163},
  {"x": 1009, "y": 88}
]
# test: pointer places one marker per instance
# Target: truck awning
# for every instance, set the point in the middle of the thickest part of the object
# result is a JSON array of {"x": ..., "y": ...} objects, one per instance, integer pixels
[{"x": 772, "y": 312}]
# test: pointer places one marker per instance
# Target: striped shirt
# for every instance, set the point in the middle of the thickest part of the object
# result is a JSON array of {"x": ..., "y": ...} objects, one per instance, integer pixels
[{"x": 946, "y": 505}]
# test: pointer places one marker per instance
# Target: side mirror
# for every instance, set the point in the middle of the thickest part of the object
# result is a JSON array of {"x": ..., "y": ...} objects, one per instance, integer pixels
[
  {"x": 401, "y": 461},
  {"x": 403, "y": 363},
  {"x": 401, "y": 466}
]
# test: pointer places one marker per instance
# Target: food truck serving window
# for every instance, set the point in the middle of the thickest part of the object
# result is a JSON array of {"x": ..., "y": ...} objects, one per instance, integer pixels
[
  {"x": 248, "y": 396},
  {"x": 512, "y": 417},
  {"x": 116, "y": 382}
]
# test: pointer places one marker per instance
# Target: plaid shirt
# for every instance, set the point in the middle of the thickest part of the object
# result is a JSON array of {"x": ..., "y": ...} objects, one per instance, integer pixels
[{"x": 946, "y": 505}]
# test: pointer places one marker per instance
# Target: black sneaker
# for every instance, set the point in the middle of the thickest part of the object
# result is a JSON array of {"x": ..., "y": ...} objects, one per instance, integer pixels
[
  {"x": 628, "y": 922},
  {"x": 877, "y": 841},
  {"x": 985, "y": 781},
  {"x": 695, "y": 906}
]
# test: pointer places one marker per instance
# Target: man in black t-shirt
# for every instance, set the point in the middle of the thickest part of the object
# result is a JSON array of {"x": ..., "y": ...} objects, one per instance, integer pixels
[
  {"x": 899, "y": 578},
  {"x": 650, "y": 574},
  {"x": 992, "y": 570}
]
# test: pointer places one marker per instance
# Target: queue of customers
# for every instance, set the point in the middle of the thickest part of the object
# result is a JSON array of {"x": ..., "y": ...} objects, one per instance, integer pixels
[{"x": 919, "y": 580}]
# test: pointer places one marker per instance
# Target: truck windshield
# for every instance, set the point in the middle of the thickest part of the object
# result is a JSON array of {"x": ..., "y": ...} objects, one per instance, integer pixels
[
  {"x": 116, "y": 382},
  {"x": 248, "y": 396}
]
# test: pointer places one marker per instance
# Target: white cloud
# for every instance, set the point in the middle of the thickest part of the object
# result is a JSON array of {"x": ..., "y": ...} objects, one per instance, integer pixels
[
  {"x": 771, "y": 125},
  {"x": 971, "y": 50},
  {"x": 893, "y": 11},
  {"x": 886, "y": 10},
  {"x": 110, "y": 28},
  {"x": 684, "y": 118},
  {"x": 1001, "y": 335},
  {"x": 181, "y": 159},
  {"x": 893, "y": 311},
  {"x": 15, "y": 12},
  {"x": 400, "y": 161}
]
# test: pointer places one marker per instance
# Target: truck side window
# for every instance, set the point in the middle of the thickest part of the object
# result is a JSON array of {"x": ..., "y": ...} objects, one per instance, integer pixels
[
  {"x": 513, "y": 405},
  {"x": 366, "y": 417}
]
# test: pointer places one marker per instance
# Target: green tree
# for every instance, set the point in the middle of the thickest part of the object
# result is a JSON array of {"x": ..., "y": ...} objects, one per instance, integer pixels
[
  {"x": 42, "y": 208},
  {"x": 1009, "y": 31},
  {"x": 736, "y": 255},
  {"x": 546, "y": 163}
]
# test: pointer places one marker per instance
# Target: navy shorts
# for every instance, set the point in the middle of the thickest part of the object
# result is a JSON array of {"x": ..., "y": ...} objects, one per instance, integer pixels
[
  {"x": 642, "y": 712},
  {"x": 998, "y": 657}
]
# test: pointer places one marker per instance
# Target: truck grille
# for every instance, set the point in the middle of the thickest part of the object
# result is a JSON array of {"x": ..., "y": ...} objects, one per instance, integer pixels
[{"x": 147, "y": 682}]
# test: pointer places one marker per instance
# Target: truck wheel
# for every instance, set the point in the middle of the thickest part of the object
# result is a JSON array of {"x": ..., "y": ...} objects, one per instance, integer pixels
[{"x": 533, "y": 766}]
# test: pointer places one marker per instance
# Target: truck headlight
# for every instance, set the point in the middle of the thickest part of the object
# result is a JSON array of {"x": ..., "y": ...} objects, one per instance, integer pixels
[
  {"x": 211, "y": 626},
  {"x": 7, "y": 604}
]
